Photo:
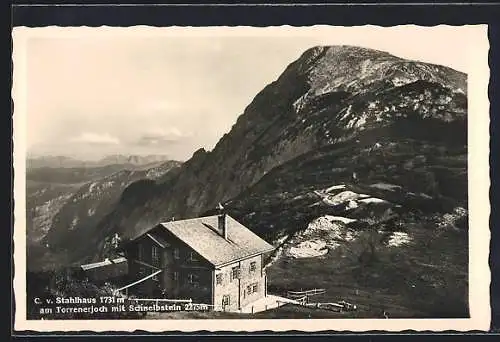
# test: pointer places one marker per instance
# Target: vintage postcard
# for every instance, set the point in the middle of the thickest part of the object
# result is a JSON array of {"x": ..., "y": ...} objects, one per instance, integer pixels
[{"x": 251, "y": 179}]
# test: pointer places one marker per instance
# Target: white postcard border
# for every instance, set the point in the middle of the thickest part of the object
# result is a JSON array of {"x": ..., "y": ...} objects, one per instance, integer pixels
[{"x": 475, "y": 41}]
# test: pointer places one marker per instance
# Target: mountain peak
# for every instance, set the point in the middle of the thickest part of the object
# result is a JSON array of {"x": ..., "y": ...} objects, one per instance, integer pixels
[
  {"x": 353, "y": 69},
  {"x": 355, "y": 51}
]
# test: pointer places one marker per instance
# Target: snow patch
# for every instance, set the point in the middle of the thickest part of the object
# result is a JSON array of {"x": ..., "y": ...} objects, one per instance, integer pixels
[
  {"x": 74, "y": 223},
  {"x": 398, "y": 239},
  {"x": 347, "y": 113},
  {"x": 91, "y": 212},
  {"x": 92, "y": 186},
  {"x": 108, "y": 184},
  {"x": 400, "y": 81},
  {"x": 352, "y": 205},
  {"x": 299, "y": 104},
  {"x": 334, "y": 187},
  {"x": 373, "y": 200},
  {"x": 365, "y": 67},
  {"x": 361, "y": 121},
  {"x": 333, "y": 225},
  {"x": 281, "y": 240},
  {"x": 344, "y": 196},
  {"x": 385, "y": 186},
  {"x": 357, "y": 122},
  {"x": 451, "y": 219},
  {"x": 309, "y": 249},
  {"x": 342, "y": 219}
]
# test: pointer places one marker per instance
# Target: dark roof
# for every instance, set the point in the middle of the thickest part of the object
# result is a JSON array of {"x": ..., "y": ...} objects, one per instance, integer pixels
[
  {"x": 158, "y": 240},
  {"x": 203, "y": 236}
]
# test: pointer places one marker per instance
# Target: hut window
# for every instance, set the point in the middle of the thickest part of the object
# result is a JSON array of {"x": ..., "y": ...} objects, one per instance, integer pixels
[
  {"x": 155, "y": 256},
  {"x": 235, "y": 272},
  {"x": 192, "y": 256},
  {"x": 218, "y": 279},
  {"x": 155, "y": 277},
  {"x": 176, "y": 253},
  {"x": 192, "y": 279},
  {"x": 139, "y": 252},
  {"x": 176, "y": 276},
  {"x": 253, "y": 266},
  {"x": 252, "y": 288}
]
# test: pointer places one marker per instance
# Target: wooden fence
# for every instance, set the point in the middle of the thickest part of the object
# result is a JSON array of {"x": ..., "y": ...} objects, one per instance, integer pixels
[{"x": 303, "y": 296}]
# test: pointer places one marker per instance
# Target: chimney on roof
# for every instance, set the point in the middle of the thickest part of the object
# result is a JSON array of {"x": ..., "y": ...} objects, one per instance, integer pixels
[{"x": 222, "y": 227}]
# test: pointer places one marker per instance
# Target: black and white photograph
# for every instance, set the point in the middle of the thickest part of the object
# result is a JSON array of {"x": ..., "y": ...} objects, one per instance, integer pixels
[{"x": 262, "y": 175}]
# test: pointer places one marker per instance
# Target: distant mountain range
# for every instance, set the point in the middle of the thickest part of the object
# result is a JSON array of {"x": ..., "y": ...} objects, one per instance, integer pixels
[{"x": 116, "y": 159}]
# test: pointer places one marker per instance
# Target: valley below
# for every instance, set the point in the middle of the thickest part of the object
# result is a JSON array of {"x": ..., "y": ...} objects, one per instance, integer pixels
[{"x": 62, "y": 199}]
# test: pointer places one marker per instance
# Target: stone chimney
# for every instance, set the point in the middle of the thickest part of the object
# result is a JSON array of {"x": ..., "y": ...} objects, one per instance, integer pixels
[{"x": 222, "y": 227}]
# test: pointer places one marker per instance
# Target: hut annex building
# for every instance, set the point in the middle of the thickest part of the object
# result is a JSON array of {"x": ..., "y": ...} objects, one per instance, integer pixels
[{"x": 213, "y": 260}]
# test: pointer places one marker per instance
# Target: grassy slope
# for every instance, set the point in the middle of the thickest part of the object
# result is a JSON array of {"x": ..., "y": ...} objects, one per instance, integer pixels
[{"x": 426, "y": 279}]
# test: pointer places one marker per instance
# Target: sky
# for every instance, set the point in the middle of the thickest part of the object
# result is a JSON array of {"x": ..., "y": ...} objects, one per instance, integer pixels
[{"x": 90, "y": 92}]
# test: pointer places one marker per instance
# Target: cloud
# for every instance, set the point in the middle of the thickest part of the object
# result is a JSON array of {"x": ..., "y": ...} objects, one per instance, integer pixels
[
  {"x": 96, "y": 138},
  {"x": 148, "y": 140},
  {"x": 159, "y": 136}
]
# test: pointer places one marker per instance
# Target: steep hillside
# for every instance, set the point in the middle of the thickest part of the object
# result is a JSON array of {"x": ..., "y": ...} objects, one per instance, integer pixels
[
  {"x": 54, "y": 209},
  {"x": 328, "y": 97},
  {"x": 95, "y": 199},
  {"x": 48, "y": 189},
  {"x": 43, "y": 201}
]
